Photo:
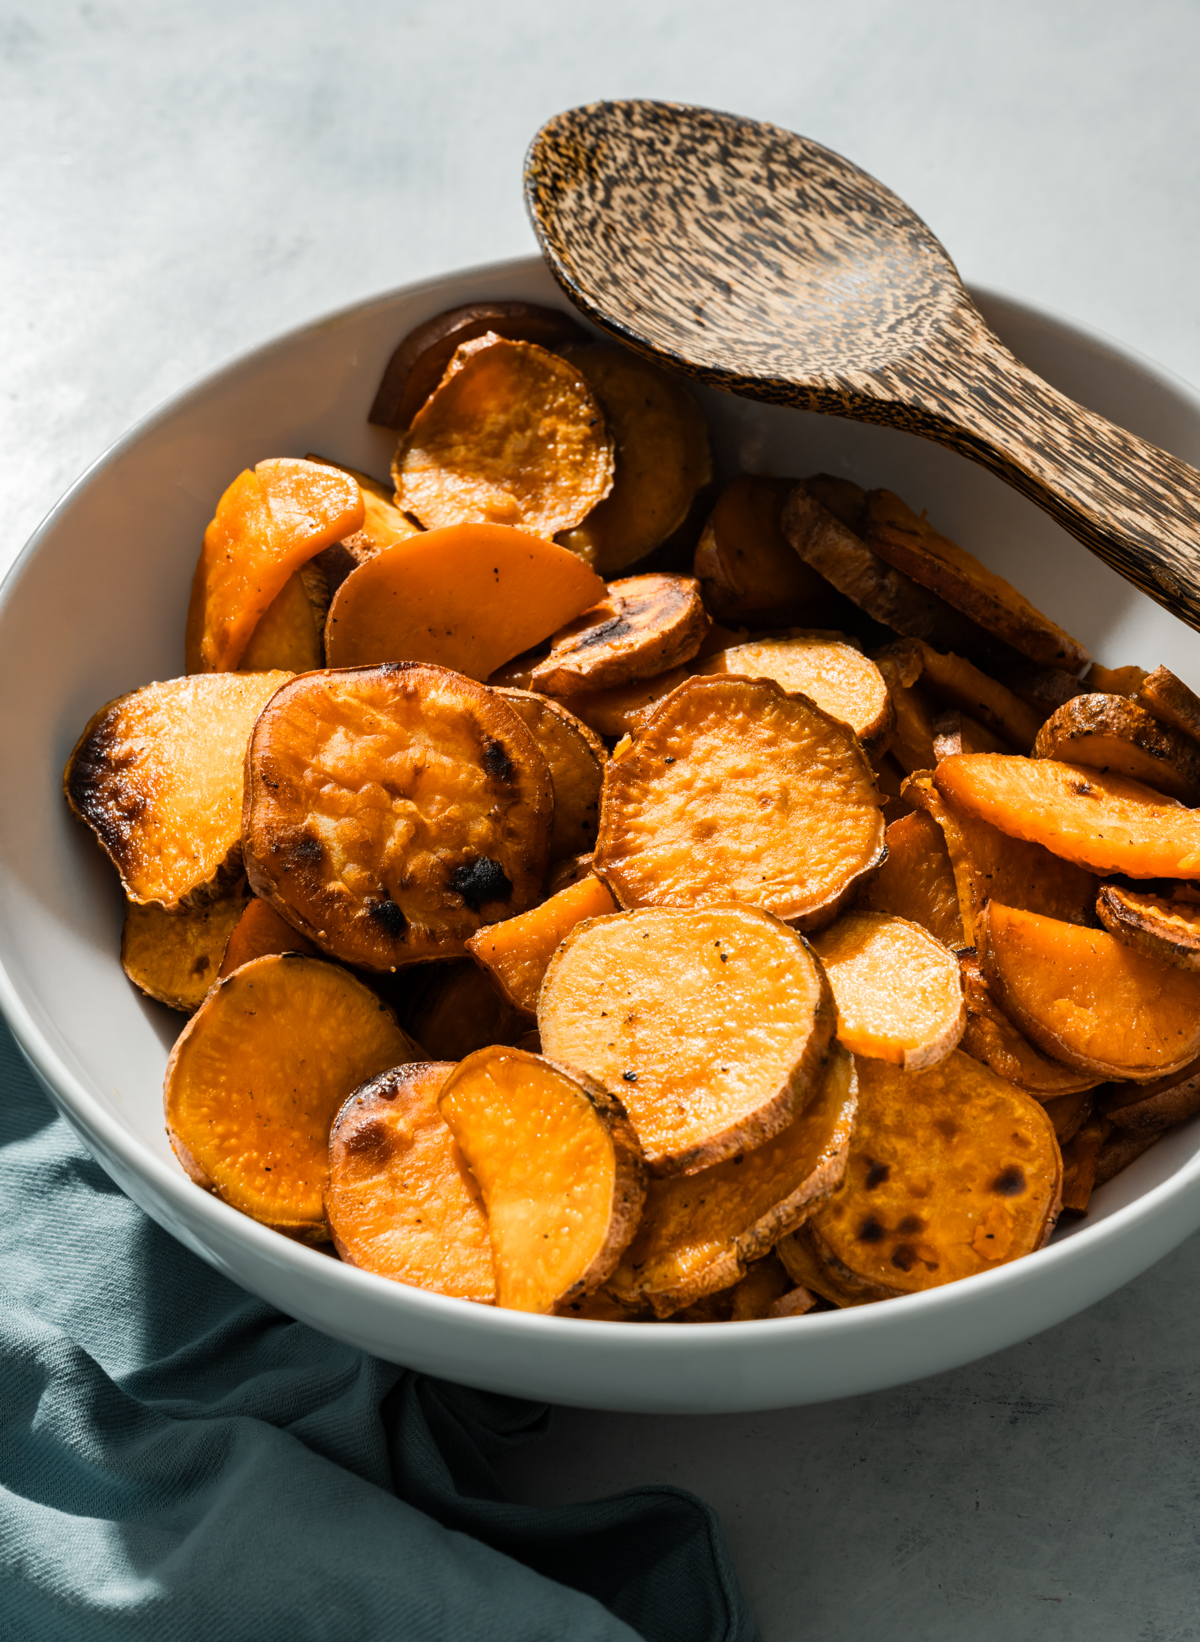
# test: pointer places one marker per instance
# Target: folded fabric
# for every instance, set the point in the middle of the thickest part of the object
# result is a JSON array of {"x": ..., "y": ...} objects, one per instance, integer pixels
[{"x": 180, "y": 1461}]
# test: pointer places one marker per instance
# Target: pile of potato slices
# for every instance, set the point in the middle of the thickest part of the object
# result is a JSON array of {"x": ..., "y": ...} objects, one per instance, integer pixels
[{"x": 598, "y": 894}]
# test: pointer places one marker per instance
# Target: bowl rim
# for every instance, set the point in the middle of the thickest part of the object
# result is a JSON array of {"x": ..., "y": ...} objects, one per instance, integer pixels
[{"x": 92, "y": 1121}]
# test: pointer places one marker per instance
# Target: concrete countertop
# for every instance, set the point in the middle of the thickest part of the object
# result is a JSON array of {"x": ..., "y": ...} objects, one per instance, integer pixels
[{"x": 184, "y": 181}]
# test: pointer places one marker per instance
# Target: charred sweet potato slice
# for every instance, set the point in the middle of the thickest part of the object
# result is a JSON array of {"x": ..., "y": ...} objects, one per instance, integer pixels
[
  {"x": 175, "y": 956},
  {"x": 390, "y": 812},
  {"x": 957, "y": 732},
  {"x": 992, "y": 1038},
  {"x": 258, "y": 933},
  {"x": 468, "y": 597},
  {"x": 910, "y": 544},
  {"x": 735, "y": 791},
  {"x": 699, "y": 1232},
  {"x": 1106, "y": 823},
  {"x": 953, "y": 679},
  {"x": 642, "y": 627},
  {"x": 576, "y": 758},
  {"x": 897, "y": 989},
  {"x": 746, "y": 567},
  {"x": 1112, "y": 733},
  {"x": 1119, "y": 1150},
  {"x": 1149, "y": 1108},
  {"x": 453, "y": 1008},
  {"x": 662, "y": 457},
  {"x": 1088, "y": 999},
  {"x": 559, "y": 1168},
  {"x": 1069, "y": 1113},
  {"x": 1170, "y": 700},
  {"x": 516, "y": 952},
  {"x": 823, "y": 667},
  {"x": 511, "y": 435},
  {"x": 258, "y": 1075},
  {"x": 401, "y": 1201},
  {"x": 1161, "y": 928},
  {"x": 809, "y": 1261},
  {"x": 158, "y": 776},
  {"x": 1081, "y": 1155},
  {"x": 714, "y": 1025},
  {"x": 917, "y": 881},
  {"x": 419, "y": 361},
  {"x": 951, "y": 1172},
  {"x": 270, "y": 522}
]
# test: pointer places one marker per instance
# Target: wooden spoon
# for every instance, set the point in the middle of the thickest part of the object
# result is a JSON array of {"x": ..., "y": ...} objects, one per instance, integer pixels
[{"x": 760, "y": 262}]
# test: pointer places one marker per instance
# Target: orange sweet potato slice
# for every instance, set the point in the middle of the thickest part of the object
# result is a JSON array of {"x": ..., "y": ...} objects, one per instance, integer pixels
[
  {"x": 401, "y": 1201},
  {"x": 809, "y": 1261},
  {"x": 1161, "y": 928},
  {"x": 826, "y": 669},
  {"x": 516, "y": 952},
  {"x": 1112, "y": 733},
  {"x": 911, "y": 741},
  {"x": 258, "y": 932},
  {"x": 1113, "y": 681},
  {"x": 714, "y": 1025},
  {"x": 662, "y": 457},
  {"x": 1106, "y": 823},
  {"x": 643, "y": 626},
  {"x": 468, "y": 597},
  {"x": 511, "y": 435},
  {"x": 1121, "y": 1149},
  {"x": 951, "y": 1172},
  {"x": 559, "y": 1168},
  {"x": 746, "y": 566},
  {"x": 624, "y": 710},
  {"x": 700, "y": 1232},
  {"x": 1081, "y": 1155},
  {"x": 992, "y": 1038},
  {"x": 897, "y": 989},
  {"x": 1170, "y": 700},
  {"x": 259, "y": 1073},
  {"x": 735, "y": 791},
  {"x": 158, "y": 776},
  {"x": 954, "y": 680},
  {"x": 390, "y": 812},
  {"x": 419, "y": 361},
  {"x": 1149, "y": 1108},
  {"x": 453, "y": 1008},
  {"x": 957, "y": 732},
  {"x": 289, "y": 636},
  {"x": 1088, "y": 999},
  {"x": 917, "y": 881},
  {"x": 175, "y": 956},
  {"x": 1069, "y": 1113},
  {"x": 767, "y": 1291},
  {"x": 910, "y": 544},
  {"x": 269, "y": 523},
  {"x": 383, "y": 526},
  {"x": 576, "y": 759}
]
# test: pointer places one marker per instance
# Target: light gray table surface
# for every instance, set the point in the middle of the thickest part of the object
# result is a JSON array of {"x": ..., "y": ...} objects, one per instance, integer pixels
[{"x": 181, "y": 180}]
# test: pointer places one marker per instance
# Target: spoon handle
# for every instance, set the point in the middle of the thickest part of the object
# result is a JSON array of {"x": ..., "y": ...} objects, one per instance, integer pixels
[{"x": 1135, "y": 506}]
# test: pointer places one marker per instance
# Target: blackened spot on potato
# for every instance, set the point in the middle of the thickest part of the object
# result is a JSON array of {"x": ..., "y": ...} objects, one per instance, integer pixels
[
  {"x": 307, "y": 849},
  {"x": 369, "y": 1140},
  {"x": 201, "y": 964},
  {"x": 1011, "y": 1183},
  {"x": 631, "y": 1077},
  {"x": 604, "y": 632},
  {"x": 946, "y": 1126},
  {"x": 904, "y": 1256},
  {"x": 871, "y": 1231},
  {"x": 385, "y": 911},
  {"x": 877, "y": 1173},
  {"x": 910, "y": 1226},
  {"x": 496, "y": 761},
  {"x": 481, "y": 880}
]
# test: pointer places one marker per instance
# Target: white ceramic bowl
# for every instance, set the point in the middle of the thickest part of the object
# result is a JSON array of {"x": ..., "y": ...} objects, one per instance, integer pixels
[{"x": 95, "y": 606}]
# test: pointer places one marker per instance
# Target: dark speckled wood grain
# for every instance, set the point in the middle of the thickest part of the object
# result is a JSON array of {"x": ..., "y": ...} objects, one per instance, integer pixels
[{"x": 760, "y": 262}]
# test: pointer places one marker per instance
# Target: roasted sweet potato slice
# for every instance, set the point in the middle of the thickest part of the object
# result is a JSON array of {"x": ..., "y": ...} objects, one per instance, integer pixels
[
  {"x": 714, "y": 1025},
  {"x": 1081, "y": 1155},
  {"x": 809, "y": 1261},
  {"x": 735, "y": 791},
  {"x": 259, "y": 1073},
  {"x": 662, "y": 457},
  {"x": 953, "y": 679},
  {"x": 1170, "y": 700},
  {"x": 1112, "y": 733},
  {"x": 511, "y": 435},
  {"x": 576, "y": 759},
  {"x": 625, "y": 709},
  {"x": 175, "y": 956},
  {"x": 390, "y": 812},
  {"x": 559, "y": 1167},
  {"x": 420, "y": 358},
  {"x": 258, "y": 932},
  {"x": 1149, "y": 1108},
  {"x": 992, "y": 1038},
  {"x": 1106, "y": 823},
  {"x": 1161, "y": 928},
  {"x": 767, "y": 1291},
  {"x": 469, "y": 597},
  {"x": 567, "y": 871},
  {"x": 516, "y": 952},
  {"x": 401, "y": 1201},
  {"x": 700, "y": 1232},
  {"x": 746, "y": 566},
  {"x": 1088, "y": 999},
  {"x": 1069, "y": 1113},
  {"x": 1121, "y": 1149},
  {"x": 910, "y": 544},
  {"x": 951, "y": 1172},
  {"x": 383, "y": 526},
  {"x": 290, "y": 635},
  {"x": 158, "y": 776},
  {"x": 643, "y": 626},
  {"x": 911, "y": 741},
  {"x": 957, "y": 732},
  {"x": 453, "y": 1008},
  {"x": 826, "y": 669},
  {"x": 917, "y": 881},
  {"x": 1113, "y": 681},
  {"x": 897, "y": 989},
  {"x": 269, "y": 523}
]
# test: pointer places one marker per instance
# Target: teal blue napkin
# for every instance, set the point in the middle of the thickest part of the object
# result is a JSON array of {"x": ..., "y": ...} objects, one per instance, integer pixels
[{"x": 179, "y": 1461}]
